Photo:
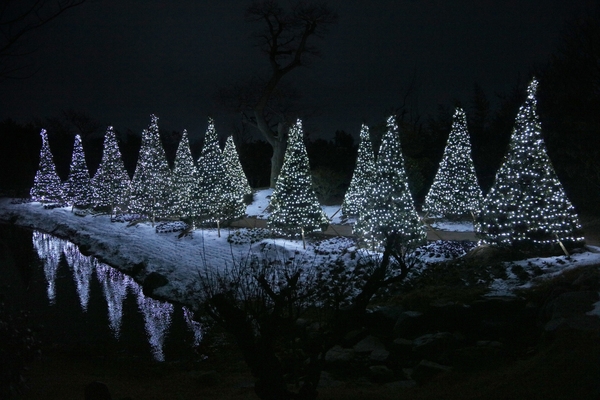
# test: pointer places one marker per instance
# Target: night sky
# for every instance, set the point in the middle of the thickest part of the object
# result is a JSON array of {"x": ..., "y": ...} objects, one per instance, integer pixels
[{"x": 121, "y": 60}]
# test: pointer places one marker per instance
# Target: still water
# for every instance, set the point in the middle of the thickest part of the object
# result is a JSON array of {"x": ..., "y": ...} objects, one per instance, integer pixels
[{"x": 77, "y": 301}]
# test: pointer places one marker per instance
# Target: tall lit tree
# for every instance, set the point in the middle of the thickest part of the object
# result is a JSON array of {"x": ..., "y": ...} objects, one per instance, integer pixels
[
  {"x": 294, "y": 205},
  {"x": 185, "y": 188},
  {"x": 110, "y": 183},
  {"x": 527, "y": 205},
  {"x": 218, "y": 202},
  {"x": 389, "y": 210},
  {"x": 152, "y": 178},
  {"x": 236, "y": 174},
  {"x": 363, "y": 176},
  {"x": 47, "y": 186},
  {"x": 455, "y": 191},
  {"x": 79, "y": 183}
]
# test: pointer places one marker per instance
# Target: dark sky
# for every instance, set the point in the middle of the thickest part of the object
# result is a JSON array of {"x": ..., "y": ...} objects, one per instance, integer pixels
[{"x": 121, "y": 60}]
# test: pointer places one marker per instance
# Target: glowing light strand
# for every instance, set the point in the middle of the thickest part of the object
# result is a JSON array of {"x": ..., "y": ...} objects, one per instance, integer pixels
[
  {"x": 362, "y": 179},
  {"x": 47, "y": 186}
]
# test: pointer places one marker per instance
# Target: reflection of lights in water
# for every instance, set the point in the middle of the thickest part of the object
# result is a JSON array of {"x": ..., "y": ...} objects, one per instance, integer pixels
[
  {"x": 157, "y": 319},
  {"x": 49, "y": 249},
  {"x": 194, "y": 326},
  {"x": 114, "y": 285},
  {"x": 82, "y": 267}
]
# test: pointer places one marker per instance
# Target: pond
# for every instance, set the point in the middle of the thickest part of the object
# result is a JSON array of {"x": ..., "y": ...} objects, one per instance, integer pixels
[{"x": 77, "y": 301}]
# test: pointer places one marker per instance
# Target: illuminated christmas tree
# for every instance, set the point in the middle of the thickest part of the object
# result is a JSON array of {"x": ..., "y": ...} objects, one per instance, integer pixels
[
  {"x": 455, "y": 192},
  {"x": 152, "y": 178},
  {"x": 218, "y": 202},
  {"x": 47, "y": 186},
  {"x": 185, "y": 182},
  {"x": 110, "y": 184},
  {"x": 79, "y": 184},
  {"x": 363, "y": 176},
  {"x": 527, "y": 205},
  {"x": 234, "y": 169},
  {"x": 294, "y": 205},
  {"x": 389, "y": 210}
]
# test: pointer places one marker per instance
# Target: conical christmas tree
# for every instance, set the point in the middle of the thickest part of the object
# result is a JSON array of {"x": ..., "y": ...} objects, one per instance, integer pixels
[
  {"x": 294, "y": 204},
  {"x": 527, "y": 205},
  {"x": 111, "y": 183},
  {"x": 363, "y": 176},
  {"x": 79, "y": 183},
  {"x": 152, "y": 178},
  {"x": 218, "y": 202},
  {"x": 389, "y": 210},
  {"x": 455, "y": 192},
  {"x": 185, "y": 182},
  {"x": 238, "y": 179},
  {"x": 47, "y": 186}
]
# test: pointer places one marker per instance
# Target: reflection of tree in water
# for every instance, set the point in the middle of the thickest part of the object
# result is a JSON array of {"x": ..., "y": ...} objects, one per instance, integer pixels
[
  {"x": 49, "y": 250},
  {"x": 114, "y": 285},
  {"x": 157, "y": 319},
  {"x": 194, "y": 326},
  {"x": 82, "y": 267}
]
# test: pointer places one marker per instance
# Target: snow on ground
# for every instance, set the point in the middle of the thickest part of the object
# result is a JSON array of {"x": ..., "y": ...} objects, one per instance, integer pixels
[
  {"x": 139, "y": 250},
  {"x": 453, "y": 226}
]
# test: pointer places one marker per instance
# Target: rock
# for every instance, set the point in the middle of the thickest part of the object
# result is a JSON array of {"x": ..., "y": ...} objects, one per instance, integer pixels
[
  {"x": 338, "y": 354},
  {"x": 449, "y": 317},
  {"x": 410, "y": 324},
  {"x": 426, "y": 370},
  {"x": 434, "y": 346},
  {"x": 406, "y": 384},
  {"x": 368, "y": 344},
  {"x": 577, "y": 322},
  {"x": 327, "y": 380},
  {"x": 208, "y": 378},
  {"x": 572, "y": 303},
  {"x": 486, "y": 355},
  {"x": 402, "y": 353},
  {"x": 381, "y": 321},
  {"x": 381, "y": 373},
  {"x": 352, "y": 337},
  {"x": 153, "y": 281},
  {"x": 96, "y": 391},
  {"x": 379, "y": 355}
]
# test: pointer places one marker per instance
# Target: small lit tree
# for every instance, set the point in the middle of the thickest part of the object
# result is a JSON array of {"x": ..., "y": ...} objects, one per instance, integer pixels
[
  {"x": 236, "y": 174},
  {"x": 527, "y": 205},
  {"x": 110, "y": 183},
  {"x": 389, "y": 210},
  {"x": 185, "y": 181},
  {"x": 363, "y": 176},
  {"x": 79, "y": 184},
  {"x": 295, "y": 208},
  {"x": 455, "y": 192},
  {"x": 47, "y": 186},
  {"x": 218, "y": 202},
  {"x": 152, "y": 178}
]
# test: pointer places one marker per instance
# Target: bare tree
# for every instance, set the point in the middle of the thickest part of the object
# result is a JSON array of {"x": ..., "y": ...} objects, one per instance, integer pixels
[
  {"x": 18, "y": 19},
  {"x": 286, "y": 38}
]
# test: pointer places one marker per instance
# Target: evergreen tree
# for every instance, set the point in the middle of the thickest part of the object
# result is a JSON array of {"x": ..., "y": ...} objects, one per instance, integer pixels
[
  {"x": 79, "y": 183},
  {"x": 455, "y": 192},
  {"x": 236, "y": 174},
  {"x": 294, "y": 204},
  {"x": 527, "y": 205},
  {"x": 110, "y": 184},
  {"x": 47, "y": 186},
  {"x": 218, "y": 202},
  {"x": 185, "y": 181},
  {"x": 152, "y": 178},
  {"x": 363, "y": 176},
  {"x": 389, "y": 210}
]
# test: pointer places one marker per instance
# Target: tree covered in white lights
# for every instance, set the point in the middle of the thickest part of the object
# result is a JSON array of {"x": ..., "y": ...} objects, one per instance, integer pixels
[
  {"x": 79, "y": 183},
  {"x": 234, "y": 170},
  {"x": 527, "y": 205},
  {"x": 218, "y": 201},
  {"x": 455, "y": 191},
  {"x": 362, "y": 179},
  {"x": 110, "y": 183},
  {"x": 185, "y": 189},
  {"x": 389, "y": 210},
  {"x": 294, "y": 204},
  {"x": 152, "y": 177},
  {"x": 47, "y": 186}
]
